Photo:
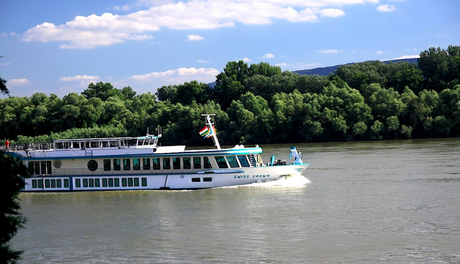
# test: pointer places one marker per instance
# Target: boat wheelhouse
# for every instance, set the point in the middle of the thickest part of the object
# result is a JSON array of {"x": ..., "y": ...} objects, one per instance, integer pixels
[{"x": 140, "y": 163}]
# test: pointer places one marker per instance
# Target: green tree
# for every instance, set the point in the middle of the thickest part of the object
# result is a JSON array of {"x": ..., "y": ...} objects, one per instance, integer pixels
[
  {"x": 440, "y": 67},
  {"x": 229, "y": 83},
  {"x": 103, "y": 91},
  {"x": 11, "y": 220},
  {"x": 127, "y": 93}
]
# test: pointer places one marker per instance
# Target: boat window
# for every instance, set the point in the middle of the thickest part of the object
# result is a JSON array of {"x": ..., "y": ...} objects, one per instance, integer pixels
[
  {"x": 48, "y": 167},
  {"x": 207, "y": 179},
  {"x": 232, "y": 162},
  {"x": 47, "y": 183},
  {"x": 221, "y": 162},
  {"x": 40, "y": 167},
  {"x": 196, "y": 179},
  {"x": 166, "y": 163},
  {"x": 136, "y": 164},
  {"x": 43, "y": 167},
  {"x": 91, "y": 182},
  {"x": 176, "y": 163},
  {"x": 207, "y": 163},
  {"x": 66, "y": 183},
  {"x": 187, "y": 164},
  {"x": 92, "y": 165},
  {"x": 136, "y": 182},
  {"x": 97, "y": 183},
  {"x": 116, "y": 182},
  {"x": 104, "y": 182},
  {"x": 144, "y": 182},
  {"x": 116, "y": 165},
  {"x": 77, "y": 183},
  {"x": 110, "y": 182},
  {"x": 124, "y": 182},
  {"x": 156, "y": 163},
  {"x": 107, "y": 165},
  {"x": 130, "y": 182},
  {"x": 126, "y": 164},
  {"x": 76, "y": 145},
  {"x": 34, "y": 167},
  {"x": 196, "y": 162},
  {"x": 243, "y": 161},
  {"x": 146, "y": 164},
  {"x": 94, "y": 144},
  {"x": 113, "y": 144},
  {"x": 105, "y": 144}
]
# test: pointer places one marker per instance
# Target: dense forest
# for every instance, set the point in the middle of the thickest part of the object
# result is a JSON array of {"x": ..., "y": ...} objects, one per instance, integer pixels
[{"x": 259, "y": 103}]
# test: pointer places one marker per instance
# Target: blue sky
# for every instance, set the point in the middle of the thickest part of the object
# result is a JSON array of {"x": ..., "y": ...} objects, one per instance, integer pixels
[{"x": 61, "y": 46}]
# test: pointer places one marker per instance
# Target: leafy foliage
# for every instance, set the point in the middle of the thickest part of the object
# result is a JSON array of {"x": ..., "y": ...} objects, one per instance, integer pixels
[
  {"x": 10, "y": 218},
  {"x": 259, "y": 103}
]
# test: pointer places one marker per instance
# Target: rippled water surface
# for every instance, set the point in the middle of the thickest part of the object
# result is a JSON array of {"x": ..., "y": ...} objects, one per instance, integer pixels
[{"x": 359, "y": 202}]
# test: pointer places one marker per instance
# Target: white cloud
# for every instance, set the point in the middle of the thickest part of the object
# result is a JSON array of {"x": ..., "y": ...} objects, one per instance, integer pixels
[
  {"x": 84, "y": 80},
  {"x": 329, "y": 51},
  {"x": 17, "y": 82},
  {"x": 122, "y": 8},
  {"x": 386, "y": 8},
  {"x": 178, "y": 76},
  {"x": 332, "y": 12},
  {"x": 203, "y": 61},
  {"x": 406, "y": 57},
  {"x": 379, "y": 52},
  {"x": 6, "y": 64},
  {"x": 4, "y": 35},
  {"x": 80, "y": 78},
  {"x": 246, "y": 60},
  {"x": 86, "y": 32},
  {"x": 194, "y": 37},
  {"x": 268, "y": 56}
]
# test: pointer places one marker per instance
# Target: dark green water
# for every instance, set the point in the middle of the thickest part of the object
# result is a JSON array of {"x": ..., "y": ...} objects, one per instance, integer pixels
[{"x": 366, "y": 202}]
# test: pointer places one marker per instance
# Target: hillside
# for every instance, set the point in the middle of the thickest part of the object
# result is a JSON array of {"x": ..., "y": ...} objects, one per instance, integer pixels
[{"x": 325, "y": 71}]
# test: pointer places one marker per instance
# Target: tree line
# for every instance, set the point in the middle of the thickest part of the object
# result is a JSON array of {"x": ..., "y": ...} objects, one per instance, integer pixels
[{"x": 259, "y": 103}]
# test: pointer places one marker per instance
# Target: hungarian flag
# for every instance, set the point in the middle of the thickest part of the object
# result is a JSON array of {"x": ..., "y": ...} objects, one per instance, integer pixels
[{"x": 205, "y": 131}]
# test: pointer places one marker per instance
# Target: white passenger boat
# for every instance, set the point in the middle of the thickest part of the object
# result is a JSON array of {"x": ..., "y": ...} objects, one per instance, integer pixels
[{"x": 140, "y": 163}]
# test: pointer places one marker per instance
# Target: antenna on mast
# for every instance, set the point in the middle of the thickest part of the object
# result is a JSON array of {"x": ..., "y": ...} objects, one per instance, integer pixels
[{"x": 210, "y": 126}]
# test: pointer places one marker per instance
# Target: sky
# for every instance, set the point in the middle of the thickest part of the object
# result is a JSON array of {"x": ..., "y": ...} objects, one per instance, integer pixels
[{"x": 60, "y": 47}]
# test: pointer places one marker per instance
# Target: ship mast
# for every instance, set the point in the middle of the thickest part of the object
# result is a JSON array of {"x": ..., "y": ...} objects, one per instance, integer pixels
[{"x": 210, "y": 126}]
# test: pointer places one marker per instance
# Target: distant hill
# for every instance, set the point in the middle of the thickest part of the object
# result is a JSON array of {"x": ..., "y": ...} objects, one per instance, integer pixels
[{"x": 325, "y": 71}]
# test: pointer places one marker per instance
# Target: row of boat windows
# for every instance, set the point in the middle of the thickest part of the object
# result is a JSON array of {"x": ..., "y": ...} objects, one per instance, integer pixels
[
  {"x": 40, "y": 167},
  {"x": 151, "y": 163},
  {"x": 90, "y": 182},
  {"x": 175, "y": 163},
  {"x": 50, "y": 183},
  {"x": 96, "y": 182},
  {"x": 110, "y": 182}
]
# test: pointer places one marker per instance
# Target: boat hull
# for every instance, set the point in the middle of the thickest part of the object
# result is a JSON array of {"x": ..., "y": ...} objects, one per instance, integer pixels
[{"x": 177, "y": 181}]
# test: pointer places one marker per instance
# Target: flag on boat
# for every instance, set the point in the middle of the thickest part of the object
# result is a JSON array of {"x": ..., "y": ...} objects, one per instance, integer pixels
[
  {"x": 211, "y": 133},
  {"x": 207, "y": 131},
  {"x": 204, "y": 131}
]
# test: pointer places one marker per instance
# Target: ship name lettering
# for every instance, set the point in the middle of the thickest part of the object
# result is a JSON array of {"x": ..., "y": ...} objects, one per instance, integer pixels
[{"x": 261, "y": 176}]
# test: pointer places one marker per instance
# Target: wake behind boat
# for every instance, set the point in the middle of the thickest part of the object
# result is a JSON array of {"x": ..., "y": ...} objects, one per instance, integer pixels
[{"x": 139, "y": 163}]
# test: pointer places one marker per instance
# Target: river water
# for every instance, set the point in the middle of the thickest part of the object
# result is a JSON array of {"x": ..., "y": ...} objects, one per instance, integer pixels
[{"x": 358, "y": 202}]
